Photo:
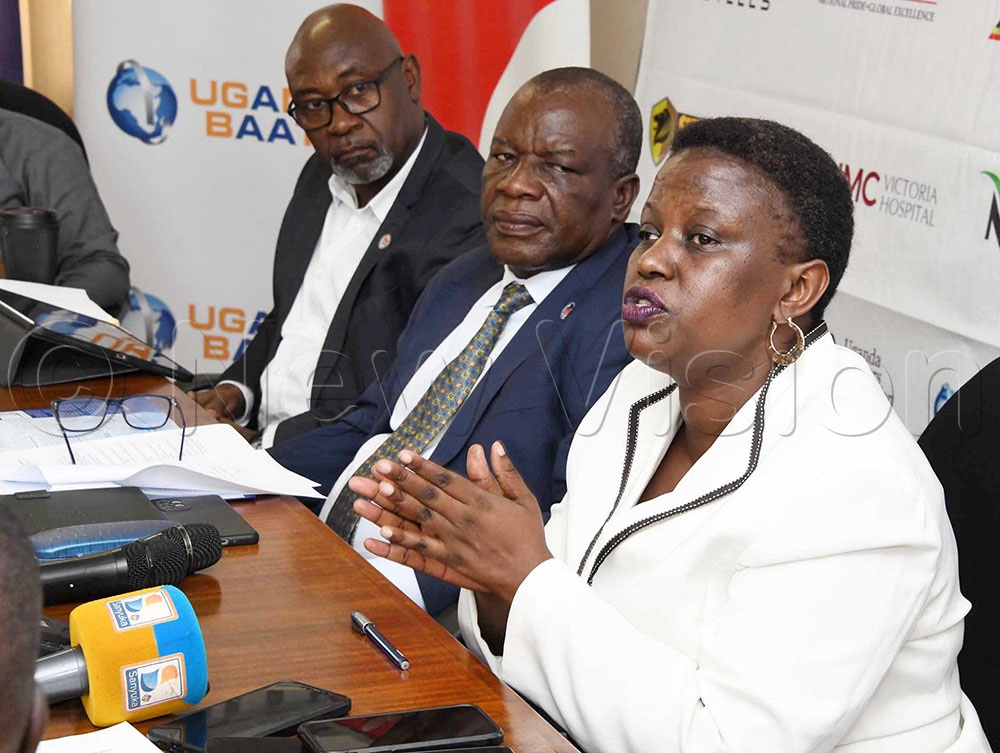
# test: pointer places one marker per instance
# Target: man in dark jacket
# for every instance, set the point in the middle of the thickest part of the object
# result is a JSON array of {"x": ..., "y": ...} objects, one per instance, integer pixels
[{"x": 388, "y": 198}]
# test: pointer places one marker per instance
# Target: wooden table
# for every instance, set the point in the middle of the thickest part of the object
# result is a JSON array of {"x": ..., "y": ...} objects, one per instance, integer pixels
[
  {"x": 280, "y": 610},
  {"x": 17, "y": 398}
]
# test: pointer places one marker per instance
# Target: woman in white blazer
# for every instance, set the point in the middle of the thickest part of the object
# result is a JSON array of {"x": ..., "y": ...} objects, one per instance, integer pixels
[{"x": 753, "y": 553}]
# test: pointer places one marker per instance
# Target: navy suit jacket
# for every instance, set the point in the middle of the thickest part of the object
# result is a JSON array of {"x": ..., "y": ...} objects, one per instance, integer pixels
[
  {"x": 533, "y": 396},
  {"x": 435, "y": 218}
]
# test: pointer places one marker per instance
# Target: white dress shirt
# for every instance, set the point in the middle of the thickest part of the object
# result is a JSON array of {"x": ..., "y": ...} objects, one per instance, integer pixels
[
  {"x": 539, "y": 286},
  {"x": 286, "y": 384}
]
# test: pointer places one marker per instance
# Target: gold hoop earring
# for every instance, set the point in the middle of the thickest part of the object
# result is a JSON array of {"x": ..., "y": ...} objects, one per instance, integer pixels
[{"x": 791, "y": 355}]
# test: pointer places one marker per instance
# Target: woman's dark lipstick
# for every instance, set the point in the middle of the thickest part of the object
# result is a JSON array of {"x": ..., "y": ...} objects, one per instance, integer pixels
[{"x": 640, "y": 305}]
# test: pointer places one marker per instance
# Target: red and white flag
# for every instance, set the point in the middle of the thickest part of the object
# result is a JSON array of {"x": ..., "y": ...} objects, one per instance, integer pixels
[{"x": 475, "y": 54}]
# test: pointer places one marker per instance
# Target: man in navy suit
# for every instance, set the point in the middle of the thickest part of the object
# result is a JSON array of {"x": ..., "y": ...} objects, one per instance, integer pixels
[{"x": 556, "y": 190}]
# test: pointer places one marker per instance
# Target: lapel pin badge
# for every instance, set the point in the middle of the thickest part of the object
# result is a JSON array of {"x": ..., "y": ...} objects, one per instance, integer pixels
[
  {"x": 567, "y": 309},
  {"x": 384, "y": 241}
]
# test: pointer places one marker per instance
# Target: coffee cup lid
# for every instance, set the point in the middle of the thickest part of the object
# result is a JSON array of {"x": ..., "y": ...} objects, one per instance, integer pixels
[{"x": 27, "y": 217}]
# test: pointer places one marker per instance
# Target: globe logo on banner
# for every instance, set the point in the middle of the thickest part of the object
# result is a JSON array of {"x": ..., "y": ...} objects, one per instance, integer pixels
[
  {"x": 942, "y": 397},
  {"x": 141, "y": 102},
  {"x": 151, "y": 319}
]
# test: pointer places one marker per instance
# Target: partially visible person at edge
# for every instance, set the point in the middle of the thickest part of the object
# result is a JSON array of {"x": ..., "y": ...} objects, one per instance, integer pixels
[
  {"x": 516, "y": 339},
  {"x": 752, "y": 553},
  {"x": 388, "y": 198},
  {"x": 43, "y": 167},
  {"x": 25, "y": 710}
]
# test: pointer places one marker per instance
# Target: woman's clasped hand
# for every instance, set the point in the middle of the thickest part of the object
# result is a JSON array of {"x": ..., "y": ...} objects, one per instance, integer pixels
[{"x": 483, "y": 533}]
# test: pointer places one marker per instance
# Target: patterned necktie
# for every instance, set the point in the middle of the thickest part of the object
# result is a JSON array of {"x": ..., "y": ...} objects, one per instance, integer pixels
[{"x": 437, "y": 406}]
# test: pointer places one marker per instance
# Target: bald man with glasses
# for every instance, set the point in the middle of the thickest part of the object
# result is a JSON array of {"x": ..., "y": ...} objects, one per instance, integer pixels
[{"x": 388, "y": 198}]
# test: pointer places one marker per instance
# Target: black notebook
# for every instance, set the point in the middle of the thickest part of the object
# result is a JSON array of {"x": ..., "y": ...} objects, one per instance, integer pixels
[{"x": 39, "y": 511}]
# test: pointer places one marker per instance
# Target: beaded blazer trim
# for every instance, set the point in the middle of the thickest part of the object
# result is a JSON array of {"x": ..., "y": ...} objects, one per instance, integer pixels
[{"x": 718, "y": 493}]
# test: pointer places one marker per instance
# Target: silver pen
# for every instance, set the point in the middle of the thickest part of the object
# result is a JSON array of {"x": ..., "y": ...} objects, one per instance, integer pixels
[{"x": 366, "y": 627}]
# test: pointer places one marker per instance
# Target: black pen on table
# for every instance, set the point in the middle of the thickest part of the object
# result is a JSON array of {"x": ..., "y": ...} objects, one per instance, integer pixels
[{"x": 366, "y": 627}]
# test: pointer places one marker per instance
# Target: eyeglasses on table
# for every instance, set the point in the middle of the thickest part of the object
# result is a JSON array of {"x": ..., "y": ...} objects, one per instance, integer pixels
[{"x": 82, "y": 415}]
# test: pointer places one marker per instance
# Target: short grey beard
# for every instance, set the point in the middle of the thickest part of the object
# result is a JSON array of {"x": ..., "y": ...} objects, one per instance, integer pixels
[{"x": 375, "y": 170}]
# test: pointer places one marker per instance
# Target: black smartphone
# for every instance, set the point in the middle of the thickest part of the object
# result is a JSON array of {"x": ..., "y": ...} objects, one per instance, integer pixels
[
  {"x": 275, "y": 709},
  {"x": 253, "y": 745},
  {"x": 421, "y": 729},
  {"x": 209, "y": 508}
]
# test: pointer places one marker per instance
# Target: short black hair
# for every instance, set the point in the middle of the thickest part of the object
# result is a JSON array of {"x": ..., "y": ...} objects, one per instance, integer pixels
[
  {"x": 814, "y": 187},
  {"x": 626, "y": 143},
  {"x": 20, "y": 609}
]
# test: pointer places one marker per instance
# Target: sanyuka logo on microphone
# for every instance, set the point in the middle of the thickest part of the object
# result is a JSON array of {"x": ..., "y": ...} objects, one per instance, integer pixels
[
  {"x": 140, "y": 611},
  {"x": 153, "y": 682}
]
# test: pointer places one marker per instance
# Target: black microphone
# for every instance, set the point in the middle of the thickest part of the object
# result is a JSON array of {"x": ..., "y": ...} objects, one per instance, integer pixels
[{"x": 165, "y": 558}]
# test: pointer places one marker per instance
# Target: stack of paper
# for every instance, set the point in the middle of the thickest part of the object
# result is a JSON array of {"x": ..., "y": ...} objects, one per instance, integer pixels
[
  {"x": 36, "y": 427},
  {"x": 122, "y": 738},
  {"x": 217, "y": 460}
]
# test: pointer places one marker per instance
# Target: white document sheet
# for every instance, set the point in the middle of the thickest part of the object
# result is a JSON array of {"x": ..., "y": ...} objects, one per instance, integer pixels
[
  {"x": 216, "y": 459},
  {"x": 122, "y": 738},
  {"x": 71, "y": 299},
  {"x": 23, "y": 430}
]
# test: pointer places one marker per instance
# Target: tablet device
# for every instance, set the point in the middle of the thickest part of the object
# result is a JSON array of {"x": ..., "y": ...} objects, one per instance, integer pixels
[
  {"x": 93, "y": 336},
  {"x": 209, "y": 508}
]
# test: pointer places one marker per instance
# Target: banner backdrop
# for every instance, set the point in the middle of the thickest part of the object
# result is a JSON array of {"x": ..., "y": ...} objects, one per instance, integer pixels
[
  {"x": 904, "y": 95},
  {"x": 182, "y": 107}
]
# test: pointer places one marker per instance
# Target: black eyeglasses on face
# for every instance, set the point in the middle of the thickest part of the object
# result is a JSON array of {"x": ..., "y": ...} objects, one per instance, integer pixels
[
  {"x": 356, "y": 99},
  {"x": 81, "y": 415}
]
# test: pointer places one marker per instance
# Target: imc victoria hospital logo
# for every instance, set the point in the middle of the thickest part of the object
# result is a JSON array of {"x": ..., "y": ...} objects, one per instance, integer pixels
[{"x": 664, "y": 123}]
